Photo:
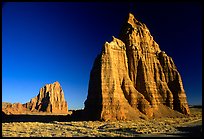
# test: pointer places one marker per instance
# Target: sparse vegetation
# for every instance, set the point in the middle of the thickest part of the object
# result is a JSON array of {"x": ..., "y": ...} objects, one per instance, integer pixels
[{"x": 151, "y": 127}]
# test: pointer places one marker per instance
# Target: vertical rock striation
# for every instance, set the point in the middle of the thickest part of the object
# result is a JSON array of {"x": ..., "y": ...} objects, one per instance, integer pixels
[
  {"x": 50, "y": 99},
  {"x": 133, "y": 78}
]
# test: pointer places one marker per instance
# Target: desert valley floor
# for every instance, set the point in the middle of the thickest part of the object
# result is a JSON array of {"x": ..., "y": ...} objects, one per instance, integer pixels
[{"x": 188, "y": 126}]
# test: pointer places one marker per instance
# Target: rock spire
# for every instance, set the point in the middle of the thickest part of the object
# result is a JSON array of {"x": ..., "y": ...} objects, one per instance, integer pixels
[{"x": 133, "y": 78}]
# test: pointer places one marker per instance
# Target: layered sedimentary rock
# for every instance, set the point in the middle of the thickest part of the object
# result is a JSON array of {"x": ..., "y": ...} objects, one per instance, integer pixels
[
  {"x": 50, "y": 99},
  {"x": 15, "y": 108},
  {"x": 133, "y": 78}
]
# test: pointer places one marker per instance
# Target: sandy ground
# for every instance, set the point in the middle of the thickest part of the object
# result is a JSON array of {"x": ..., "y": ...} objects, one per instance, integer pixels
[{"x": 191, "y": 126}]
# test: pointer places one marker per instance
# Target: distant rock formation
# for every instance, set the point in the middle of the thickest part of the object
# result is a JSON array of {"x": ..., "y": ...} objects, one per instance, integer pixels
[
  {"x": 133, "y": 78},
  {"x": 15, "y": 108},
  {"x": 50, "y": 99}
]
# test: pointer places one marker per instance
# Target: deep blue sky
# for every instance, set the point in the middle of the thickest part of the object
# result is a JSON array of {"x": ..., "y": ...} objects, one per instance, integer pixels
[{"x": 47, "y": 42}]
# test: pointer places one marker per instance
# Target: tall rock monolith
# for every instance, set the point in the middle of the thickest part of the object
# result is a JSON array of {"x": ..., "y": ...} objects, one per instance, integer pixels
[{"x": 132, "y": 78}]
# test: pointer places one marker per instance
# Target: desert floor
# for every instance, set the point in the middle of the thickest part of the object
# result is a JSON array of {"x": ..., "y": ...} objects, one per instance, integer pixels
[{"x": 191, "y": 126}]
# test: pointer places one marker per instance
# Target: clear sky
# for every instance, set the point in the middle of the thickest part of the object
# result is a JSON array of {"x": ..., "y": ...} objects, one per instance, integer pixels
[{"x": 47, "y": 42}]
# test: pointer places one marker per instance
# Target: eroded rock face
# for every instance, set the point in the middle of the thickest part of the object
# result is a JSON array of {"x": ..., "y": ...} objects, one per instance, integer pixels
[
  {"x": 133, "y": 78},
  {"x": 15, "y": 108},
  {"x": 50, "y": 99}
]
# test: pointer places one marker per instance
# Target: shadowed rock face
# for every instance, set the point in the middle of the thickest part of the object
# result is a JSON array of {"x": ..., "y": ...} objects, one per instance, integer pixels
[
  {"x": 133, "y": 78},
  {"x": 50, "y": 99}
]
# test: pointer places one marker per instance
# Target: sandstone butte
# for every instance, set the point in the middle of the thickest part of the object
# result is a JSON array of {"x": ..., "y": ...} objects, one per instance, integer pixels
[
  {"x": 50, "y": 99},
  {"x": 132, "y": 78}
]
